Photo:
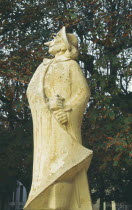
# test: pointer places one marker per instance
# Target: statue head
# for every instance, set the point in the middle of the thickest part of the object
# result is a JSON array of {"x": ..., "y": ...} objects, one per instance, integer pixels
[{"x": 65, "y": 43}]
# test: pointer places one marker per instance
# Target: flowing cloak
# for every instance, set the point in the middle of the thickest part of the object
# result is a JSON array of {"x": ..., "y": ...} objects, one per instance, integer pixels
[{"x": 58, "y": 153}]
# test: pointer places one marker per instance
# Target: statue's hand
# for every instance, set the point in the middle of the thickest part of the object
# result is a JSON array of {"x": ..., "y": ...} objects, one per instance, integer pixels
[
  {"x": 61, "y": 116},
  {"x": 55, "y": 103}
]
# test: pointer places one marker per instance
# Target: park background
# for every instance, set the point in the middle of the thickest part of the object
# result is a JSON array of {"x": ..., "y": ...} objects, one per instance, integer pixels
[{"x": 104, "y": 34}]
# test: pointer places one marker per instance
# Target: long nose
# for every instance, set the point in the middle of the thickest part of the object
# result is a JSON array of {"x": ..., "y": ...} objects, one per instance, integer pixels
[{"x": 48, "y": 43}]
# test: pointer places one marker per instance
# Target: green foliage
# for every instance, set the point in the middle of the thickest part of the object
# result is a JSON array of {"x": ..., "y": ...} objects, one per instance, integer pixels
[{"x": 103, "y": 29}]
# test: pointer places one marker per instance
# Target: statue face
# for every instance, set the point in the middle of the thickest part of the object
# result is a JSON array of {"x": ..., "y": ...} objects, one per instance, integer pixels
[{"x": 56, "y": 45}]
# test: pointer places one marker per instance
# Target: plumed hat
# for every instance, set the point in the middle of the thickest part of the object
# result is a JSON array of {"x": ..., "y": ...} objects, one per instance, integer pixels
[{"x": 69, "y": 39}]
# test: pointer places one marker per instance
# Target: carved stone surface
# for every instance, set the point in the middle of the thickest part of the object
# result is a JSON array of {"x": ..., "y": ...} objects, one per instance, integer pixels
[{"x": 58, "y": 94}]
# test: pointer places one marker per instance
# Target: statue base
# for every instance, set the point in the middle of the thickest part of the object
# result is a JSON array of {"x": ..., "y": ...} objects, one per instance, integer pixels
[
  {"x": 60, "y": 195},
  {"x": 65, "y": 195}
]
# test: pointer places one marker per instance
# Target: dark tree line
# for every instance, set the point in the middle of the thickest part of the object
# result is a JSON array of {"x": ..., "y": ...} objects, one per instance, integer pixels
[{"x": 104, "y": 33}]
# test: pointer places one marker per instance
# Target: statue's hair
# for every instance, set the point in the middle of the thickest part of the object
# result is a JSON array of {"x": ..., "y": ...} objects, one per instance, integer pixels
[{"x": 73, "y": 52}]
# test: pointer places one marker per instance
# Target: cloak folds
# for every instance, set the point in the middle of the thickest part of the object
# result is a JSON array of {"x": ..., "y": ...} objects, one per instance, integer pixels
[{"x": 58, "y": 153}]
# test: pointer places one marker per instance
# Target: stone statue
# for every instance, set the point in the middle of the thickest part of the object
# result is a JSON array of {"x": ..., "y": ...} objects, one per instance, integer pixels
[{"x": 58, "y": 94}]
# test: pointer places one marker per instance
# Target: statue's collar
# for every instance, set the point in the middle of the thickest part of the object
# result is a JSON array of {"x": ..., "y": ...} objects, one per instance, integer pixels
[{"x": 47, "y": 61}]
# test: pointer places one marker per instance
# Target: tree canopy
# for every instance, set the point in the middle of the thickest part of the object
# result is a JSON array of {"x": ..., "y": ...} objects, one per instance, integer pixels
[{"x": 104, "y": 34}]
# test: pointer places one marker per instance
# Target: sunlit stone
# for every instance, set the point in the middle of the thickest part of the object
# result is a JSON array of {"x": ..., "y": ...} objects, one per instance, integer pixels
[{"x": 58, "y": 94}]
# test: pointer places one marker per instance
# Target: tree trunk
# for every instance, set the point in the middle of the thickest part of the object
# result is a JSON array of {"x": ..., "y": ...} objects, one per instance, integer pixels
[
  {"x": 101, "y": 192},
  {"x": 101, "y": 204}
]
